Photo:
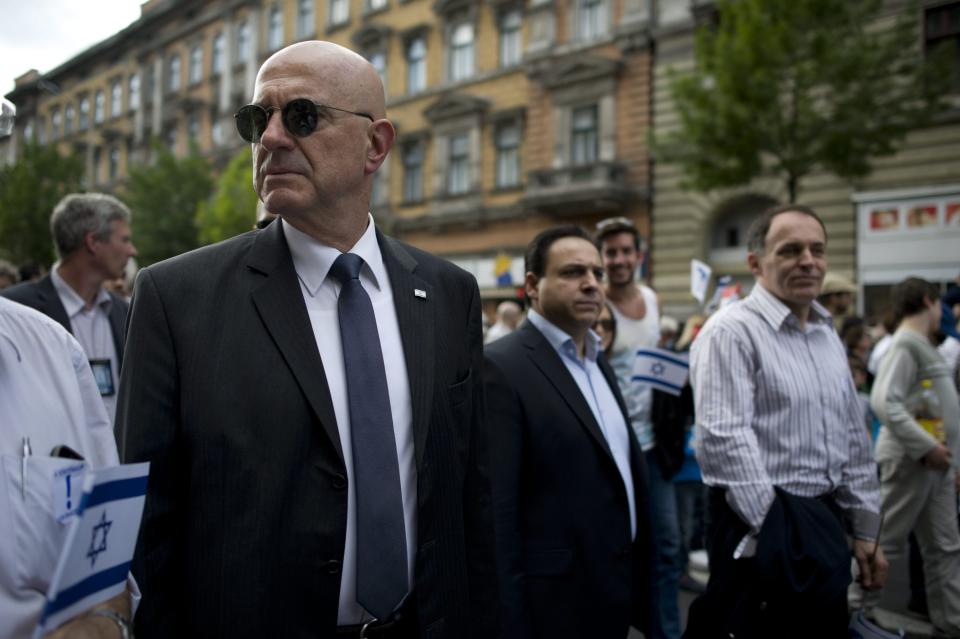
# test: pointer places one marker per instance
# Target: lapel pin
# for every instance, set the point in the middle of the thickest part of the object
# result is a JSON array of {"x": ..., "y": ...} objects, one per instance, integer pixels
[{"x": 419, "y": 292}]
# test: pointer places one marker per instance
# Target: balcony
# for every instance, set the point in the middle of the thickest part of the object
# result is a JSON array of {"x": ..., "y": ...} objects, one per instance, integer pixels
[{"x": 574, "y": 190}]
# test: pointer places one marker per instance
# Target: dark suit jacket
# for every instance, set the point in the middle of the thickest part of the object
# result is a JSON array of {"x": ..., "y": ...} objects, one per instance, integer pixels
[
  {"x": 43, "y": 297},
  {"x": 566, "y": 562},
  {"x": 224, "y": 393},
  {"x": 794, "y": 587}
]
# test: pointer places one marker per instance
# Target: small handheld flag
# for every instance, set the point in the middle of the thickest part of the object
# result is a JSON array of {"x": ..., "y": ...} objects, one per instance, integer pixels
[
  {"x": 96, "y": 556},
  {"x": 661, "y": 369}
]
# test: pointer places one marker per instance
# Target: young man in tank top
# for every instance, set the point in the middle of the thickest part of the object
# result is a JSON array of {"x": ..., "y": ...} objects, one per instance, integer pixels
[{"x": 638, "y": 326}]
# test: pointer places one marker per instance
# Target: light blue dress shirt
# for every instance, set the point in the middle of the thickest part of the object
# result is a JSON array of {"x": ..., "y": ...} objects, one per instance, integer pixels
[{"x": 598, "y": 395}]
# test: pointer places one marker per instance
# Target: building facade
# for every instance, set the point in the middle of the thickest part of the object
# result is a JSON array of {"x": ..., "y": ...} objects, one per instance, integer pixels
[
  {"x": 512, "y": 115},
  {"x": 902, "y": 220}
]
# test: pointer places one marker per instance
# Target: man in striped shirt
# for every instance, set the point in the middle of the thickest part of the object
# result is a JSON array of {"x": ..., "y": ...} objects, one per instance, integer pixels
[{"x": 779, "y": 420}]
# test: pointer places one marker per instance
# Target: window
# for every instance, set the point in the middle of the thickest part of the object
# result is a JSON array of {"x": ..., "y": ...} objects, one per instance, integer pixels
[
  {"x": 243, "y": 41},
  {"x": 339, "y": 12},
  {"x": 275, "y": 28},
  {"x": 55, "y": 124},
  {"x": 216, "y": 133},
  {"x": 413, "y": 172},
  {"x": 375, "y": 5},
  {"x": 508, "y": 155},
  {"x": 216, "y": 60},
  {"x": 96, "y": 165},
  {"x": 461, "y": 52},
  {"x": 583, "y": 136},
  {"x": 99, "y": 104},
  {"x": 68, "y": 119},
  {"x": 28, "y": 131},
  {"x": 116, "y": 98},
  {"x": 114, "y": 162},
  {"x": 170, "y": 137},
  {"x": 134, "y": 92},
  {"x": 84, "y": 114},
  {"x": 173, "y": 68},
  {"x": 379, "y": 62},
  {"x": 305, "y": 19},
  {"x": 42, "y": 132},
  {"x": 591, "y": 19},
  {"x": 196, "y": 64},
  {"x": 942, "y": 31},
  {"x": 458, "y": 168},
  {"x": 416, "y": 65},
  {"x": 510, "y": 23},
  {"x": 193, "y": 128}
]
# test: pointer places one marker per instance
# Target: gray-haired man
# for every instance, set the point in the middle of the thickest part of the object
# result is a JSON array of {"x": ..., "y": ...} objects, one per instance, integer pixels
[{"x": 91, "y": 232}]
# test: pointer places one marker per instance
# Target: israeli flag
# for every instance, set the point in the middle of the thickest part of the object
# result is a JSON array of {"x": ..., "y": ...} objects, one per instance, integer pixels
[
  {"x": 661, "y": 369},
  {"x": 96, "y": 556}
]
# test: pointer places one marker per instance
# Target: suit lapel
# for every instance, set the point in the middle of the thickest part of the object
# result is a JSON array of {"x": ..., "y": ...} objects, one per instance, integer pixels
[
  {"x": 279, "y": 302},
  {"x": 118, "y": 321},
  {"x": 548, "y": 361},
  {"x": 50, "y": 304},
  {"x": 415, "y": 317}
]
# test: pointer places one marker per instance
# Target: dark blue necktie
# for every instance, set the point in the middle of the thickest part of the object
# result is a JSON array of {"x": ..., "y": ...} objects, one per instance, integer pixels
[{"x": 381, "y": 541}]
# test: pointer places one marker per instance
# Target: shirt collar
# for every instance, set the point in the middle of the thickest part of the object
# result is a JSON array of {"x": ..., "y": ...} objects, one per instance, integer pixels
[
  {"x": 775, "y": 312},
  {"x": 561, "y": 341},
  {"x": 72, "y": 302},
  {"x": 313, "y": 259}
]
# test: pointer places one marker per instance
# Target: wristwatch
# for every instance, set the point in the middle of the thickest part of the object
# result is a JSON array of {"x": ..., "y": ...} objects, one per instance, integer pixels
[{"x": 126, "y": 632}]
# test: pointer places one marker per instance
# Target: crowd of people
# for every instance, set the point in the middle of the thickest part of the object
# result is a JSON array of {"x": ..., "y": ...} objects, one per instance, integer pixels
[{"x": 337, "y": 448}]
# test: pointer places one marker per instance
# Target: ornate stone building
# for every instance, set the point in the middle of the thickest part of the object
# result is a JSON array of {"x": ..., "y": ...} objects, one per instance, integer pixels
[
  {"x": 512, "y": 115},
  {"x": 904, "y": 219}
]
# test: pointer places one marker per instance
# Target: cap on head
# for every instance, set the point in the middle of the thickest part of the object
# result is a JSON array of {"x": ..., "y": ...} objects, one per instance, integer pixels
[{"x": 834, "y": 283}]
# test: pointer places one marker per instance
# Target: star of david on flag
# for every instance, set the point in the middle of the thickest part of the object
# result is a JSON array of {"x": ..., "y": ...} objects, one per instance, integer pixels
[
  {"x": 96, "y": 555},
  {"x": 661, "y": 369}
]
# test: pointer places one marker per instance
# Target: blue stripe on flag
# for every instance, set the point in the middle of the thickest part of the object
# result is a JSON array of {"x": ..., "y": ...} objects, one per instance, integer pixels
[
  {"x": 664, "y": 357},
  {"x": 116, "y": 490},
  {"x": 86, "y": 587},
  {"x": 656, "y": 381}
]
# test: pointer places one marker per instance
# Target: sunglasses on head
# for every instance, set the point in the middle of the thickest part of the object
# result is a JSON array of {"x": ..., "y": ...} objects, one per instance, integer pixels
[{"x": 300, "y": 118}]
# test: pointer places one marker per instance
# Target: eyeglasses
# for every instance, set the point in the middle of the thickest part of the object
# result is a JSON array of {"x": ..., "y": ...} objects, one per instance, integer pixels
[
  {"x": 605, "y": 324},
  {"x": 300, "y": 118}
]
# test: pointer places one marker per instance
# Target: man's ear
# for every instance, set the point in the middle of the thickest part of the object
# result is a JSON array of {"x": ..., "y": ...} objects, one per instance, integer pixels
[
  {"x": 753, "y": 261},
  {"x": 90, "y": 242},
  {"x": 382, "y": 135},
  {"x": 530, "y": 286}
]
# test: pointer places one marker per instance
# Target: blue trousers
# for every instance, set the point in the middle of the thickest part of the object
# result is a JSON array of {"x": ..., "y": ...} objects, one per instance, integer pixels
[{"x": 666, "y": 561}]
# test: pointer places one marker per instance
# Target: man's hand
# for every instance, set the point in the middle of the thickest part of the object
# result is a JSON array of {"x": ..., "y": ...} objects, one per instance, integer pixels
[
  {"x": 85, "y": 626},
  {"x": 938, "y": 458},
  {"x": 872, "y": 562}
]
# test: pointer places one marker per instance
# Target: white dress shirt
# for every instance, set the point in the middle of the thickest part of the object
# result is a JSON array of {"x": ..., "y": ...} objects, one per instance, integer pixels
[
  {"x": 47, "y": 393},
  {"x": 312, "y": 261},
  {"x": 776, "y": 406},
  {"x": 598, "y": 395},
  {"x": 91, "y": 327}
]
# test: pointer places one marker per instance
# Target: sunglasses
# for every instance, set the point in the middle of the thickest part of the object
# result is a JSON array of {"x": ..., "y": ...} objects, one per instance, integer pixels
[
  {"x": 300, "y": 118},
  {"x": 605, "y": 324}
]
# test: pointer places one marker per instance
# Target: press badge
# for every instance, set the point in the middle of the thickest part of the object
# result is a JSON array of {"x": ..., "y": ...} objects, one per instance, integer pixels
[
  {"x": 103, "y": 373},
  {"x": 67, "y": 489}
]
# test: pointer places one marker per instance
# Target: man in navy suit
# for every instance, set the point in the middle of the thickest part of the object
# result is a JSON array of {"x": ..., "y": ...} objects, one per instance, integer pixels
[
  {"x": 239, "y": 388},
  {"x": 570, "y": 494},
  {"x": 91, "y": 232}
]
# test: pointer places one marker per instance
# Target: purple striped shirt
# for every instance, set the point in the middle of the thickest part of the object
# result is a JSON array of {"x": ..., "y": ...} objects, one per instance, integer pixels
[{"x": 776, "y": 406}]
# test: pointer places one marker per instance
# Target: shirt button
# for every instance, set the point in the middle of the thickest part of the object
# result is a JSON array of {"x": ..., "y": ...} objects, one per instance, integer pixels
[
  {"x": 332, "y": 567},
  {"x": 339, "y": 482}
]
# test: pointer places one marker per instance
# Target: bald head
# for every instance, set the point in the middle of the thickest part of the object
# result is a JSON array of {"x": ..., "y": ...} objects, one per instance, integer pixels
[{"x": 350, "y": 80}]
